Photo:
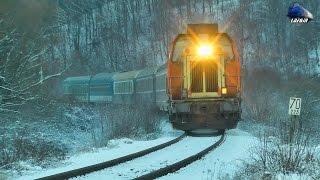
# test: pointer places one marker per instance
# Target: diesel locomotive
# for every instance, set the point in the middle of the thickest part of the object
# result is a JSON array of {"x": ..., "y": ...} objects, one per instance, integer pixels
[{"x": 199, "y": 86}]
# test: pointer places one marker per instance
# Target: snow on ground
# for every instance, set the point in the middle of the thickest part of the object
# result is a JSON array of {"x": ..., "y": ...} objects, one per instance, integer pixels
[
  {"x": 117, "y": 148},
  {"x": 156, "y": 160},
  {"x": 293, "y": 177},
  {"x": 222, "y": 162}
]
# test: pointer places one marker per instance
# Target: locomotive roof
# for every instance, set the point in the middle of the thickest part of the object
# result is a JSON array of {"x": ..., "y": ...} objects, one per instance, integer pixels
[{"x": 126, "y": 75}]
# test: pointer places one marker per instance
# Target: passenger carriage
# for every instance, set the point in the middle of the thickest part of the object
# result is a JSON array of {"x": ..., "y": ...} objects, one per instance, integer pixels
[
  {"x": 77, "y": 88},
  {"x": 145, "y": 86},
  {"x": 101, "y": 88},
  {"x": 124, "y": 87}
]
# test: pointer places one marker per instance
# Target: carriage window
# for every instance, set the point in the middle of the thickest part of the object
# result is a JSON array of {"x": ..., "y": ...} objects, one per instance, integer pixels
[
  {"x": 124, "y": 87},
  {"x": 179, "y": 48}
]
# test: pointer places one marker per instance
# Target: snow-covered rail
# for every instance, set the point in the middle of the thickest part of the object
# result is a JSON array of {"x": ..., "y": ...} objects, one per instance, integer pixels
[
  {"x": 178, "y": 165},
  {"x": 162, "y": 162},
  {"x": 111, "y": 163}
]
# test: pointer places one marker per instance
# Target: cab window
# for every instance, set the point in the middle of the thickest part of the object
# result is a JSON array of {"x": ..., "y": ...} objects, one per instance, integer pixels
[
  {"x": 226, "y": 45},
  {"x": 179, "y": 48}
]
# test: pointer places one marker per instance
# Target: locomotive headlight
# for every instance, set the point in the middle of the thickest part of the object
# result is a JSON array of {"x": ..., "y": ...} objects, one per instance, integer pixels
[
  {"x": 224, "y": 91},
  {"x": 205, "y": 50}
]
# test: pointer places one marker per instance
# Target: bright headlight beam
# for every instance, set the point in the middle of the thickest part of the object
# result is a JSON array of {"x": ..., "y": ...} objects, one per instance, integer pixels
[{"x": 205, "y": 50}]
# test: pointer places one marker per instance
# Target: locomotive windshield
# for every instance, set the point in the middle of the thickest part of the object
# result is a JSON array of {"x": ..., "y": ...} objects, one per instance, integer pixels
[
  {"x": 201, "y": 47},
  {"x": 180, "y": 48}
]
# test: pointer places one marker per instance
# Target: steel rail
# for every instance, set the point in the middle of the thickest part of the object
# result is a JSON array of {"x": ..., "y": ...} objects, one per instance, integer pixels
[
  {"x": 178, "y": 165},
  {"x": 110, "y": 163}
]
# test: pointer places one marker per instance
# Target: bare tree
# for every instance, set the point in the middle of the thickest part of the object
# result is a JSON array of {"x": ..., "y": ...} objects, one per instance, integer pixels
[{"x": 24, "y": 61}]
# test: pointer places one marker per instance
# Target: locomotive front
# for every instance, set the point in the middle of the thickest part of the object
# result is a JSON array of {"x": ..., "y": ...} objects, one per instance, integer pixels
[{"x": 203, "y": 80}]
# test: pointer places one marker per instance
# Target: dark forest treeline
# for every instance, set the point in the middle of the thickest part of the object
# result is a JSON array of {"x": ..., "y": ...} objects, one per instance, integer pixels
[{"x": 41, "y": 42}]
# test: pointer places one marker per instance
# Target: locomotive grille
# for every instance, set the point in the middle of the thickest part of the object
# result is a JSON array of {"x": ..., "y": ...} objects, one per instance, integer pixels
[
  {"x": 211, "y": 76},
  {"x": 197, "y": 78},
  {"x": 204, "y": 77}
]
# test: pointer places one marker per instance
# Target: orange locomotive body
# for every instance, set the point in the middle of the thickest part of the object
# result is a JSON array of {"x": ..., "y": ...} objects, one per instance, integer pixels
[{"x": 203, "y": 80}]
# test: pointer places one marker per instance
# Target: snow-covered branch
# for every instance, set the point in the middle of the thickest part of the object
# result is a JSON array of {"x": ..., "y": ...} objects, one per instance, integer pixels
[
  {"x": 8, "y": 89},
  {"x": 44, "y": 79},
  {"x": 8, "y": 110},
  {"x": 315, "y": 101},
  {"x": 19, "y": 73}
]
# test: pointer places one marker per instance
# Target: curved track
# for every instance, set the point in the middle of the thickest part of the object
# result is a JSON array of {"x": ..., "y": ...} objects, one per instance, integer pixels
[
  {"x": 107, "y": 164},
  {"x": 178, "y": 165},
  {"x": 162, "y": 162}
]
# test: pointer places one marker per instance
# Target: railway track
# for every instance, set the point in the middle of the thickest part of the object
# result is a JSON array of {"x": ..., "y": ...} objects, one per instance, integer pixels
[
  {"x": 150, "y": 163},
  {"x": 110, "y": 163},
  {"x": 178, "y": 165},
  {"x": 162, "y": 162}
]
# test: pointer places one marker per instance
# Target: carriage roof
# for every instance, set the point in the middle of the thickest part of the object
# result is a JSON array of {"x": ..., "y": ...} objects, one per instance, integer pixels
[
  {"x": 126, "y": 75},
  {"x": 77, "y": 80},
  {"x": 103, "y": 78}
]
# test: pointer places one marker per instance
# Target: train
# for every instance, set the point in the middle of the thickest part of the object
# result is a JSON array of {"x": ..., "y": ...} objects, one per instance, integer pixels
[{"x": 199, "y": 86}]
